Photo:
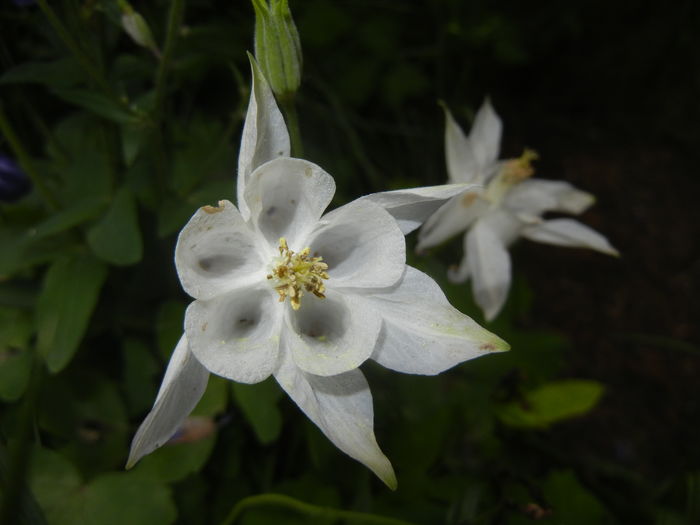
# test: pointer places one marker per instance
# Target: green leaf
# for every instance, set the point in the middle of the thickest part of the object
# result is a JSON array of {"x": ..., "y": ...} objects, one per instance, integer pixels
[
  {"x": 571, "y": 503},
  {"x": 116, "y": 238},
  {"x": 53, "y": 480},
  {"x": 140, "y": 369},
  {"x": 551, "y": 403},
  {"x": 66, "y": 219},
  {"x": 71, "y": 289},
  {"x": 175, "y": 461},
  {"x": 258, "y": 403},
  {"x": 98, "y": 104},
  {"x": 64, "y": 72},
  {"x": 169, "y": 326}
]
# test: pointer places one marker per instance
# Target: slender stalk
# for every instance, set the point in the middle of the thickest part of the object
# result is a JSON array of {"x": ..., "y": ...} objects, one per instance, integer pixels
[
  {"x": 290, "y": 112},
  {"x": 177, "y": 7},
  {"x": 15, "y": 501},
  {"x": 25, "y": 161},
  {"x": 84, "y": 60},
  {"x": 306, "y": 509}
]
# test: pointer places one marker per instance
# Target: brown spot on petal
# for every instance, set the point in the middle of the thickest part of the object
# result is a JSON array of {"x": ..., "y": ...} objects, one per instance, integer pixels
[
  {"x": 204, "y": 327},
  {"x": 488, "y": 347},
  {"x": 214, "y": 209},
  {"x": 468, "y": 199}
]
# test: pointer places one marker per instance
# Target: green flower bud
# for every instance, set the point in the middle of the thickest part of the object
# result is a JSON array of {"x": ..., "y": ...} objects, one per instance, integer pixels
[
  {"x": 277, "y": 46},
  {"x": 137, "y": 28}
]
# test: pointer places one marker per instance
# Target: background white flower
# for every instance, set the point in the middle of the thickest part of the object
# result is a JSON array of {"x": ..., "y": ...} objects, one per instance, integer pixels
[
  {"x": 281, "y": 289},
  {"x": 510, "y": 205}
]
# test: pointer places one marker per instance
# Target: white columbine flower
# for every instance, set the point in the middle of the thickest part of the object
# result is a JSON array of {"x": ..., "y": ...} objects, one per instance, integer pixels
[
  {"x": 509, "y": 205},
  {"x": 282, "y": 289}
]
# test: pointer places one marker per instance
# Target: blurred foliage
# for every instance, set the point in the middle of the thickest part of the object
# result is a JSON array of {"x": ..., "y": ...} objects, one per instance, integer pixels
[{"x": 123, "y": 142}]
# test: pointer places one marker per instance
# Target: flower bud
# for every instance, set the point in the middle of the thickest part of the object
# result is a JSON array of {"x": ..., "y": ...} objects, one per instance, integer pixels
[
  {"x": 277, "y": 46},
  {"x": 14, "y": 183},
  {"x": 137, "y": 28}
]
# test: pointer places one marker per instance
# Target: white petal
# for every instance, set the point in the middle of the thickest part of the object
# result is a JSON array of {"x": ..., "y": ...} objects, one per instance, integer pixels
[
  {"x": 568, "y": 232},
  {"x": 332, "y": 335},
  {"x": 413, "y": 206},
  {"x": 265, "y": 135},
  {"x": 489, "y": 264},
  {"x": 216, "y": 251},
  {"x": 362, "y": 246},
  {"x": 236, "y": 335},
  {"x": 286, "y": 198},
  {"x": 485, "y": 135},
  {"x": 422, "y": 333},
  {"x": 455, "y": 216},
  {"x": 341, "y": 406},
  {"x": 183, "y": 385},
  {"x": 536, "y": 196}
]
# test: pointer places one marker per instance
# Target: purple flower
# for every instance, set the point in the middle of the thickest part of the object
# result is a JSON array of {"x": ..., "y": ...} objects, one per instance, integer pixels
[{"x": 14, "y": 183}]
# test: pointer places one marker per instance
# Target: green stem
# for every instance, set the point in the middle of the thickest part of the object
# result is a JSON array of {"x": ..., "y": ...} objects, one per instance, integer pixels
[
  {"x": 25, "y": 161},
  {"x": 307, "y": 509},
  {"x": 290, "y": 112},
  {"x": 79, "y": 54},
  {"x": 177, "y": 8},
  {"x": 16, "y": 500}
]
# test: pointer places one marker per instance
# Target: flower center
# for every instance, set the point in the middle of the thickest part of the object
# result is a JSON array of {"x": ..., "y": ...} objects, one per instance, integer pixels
[
  {"x": 513, "y": 172},
  {"x": 294, "y": 273}
]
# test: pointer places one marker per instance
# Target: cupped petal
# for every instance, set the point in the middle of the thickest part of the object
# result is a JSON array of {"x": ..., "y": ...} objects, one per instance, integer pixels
[
  {"x": 536, "y": 196},
  {"x": 489, "y": 265},
  {"x": 422, "y": 332},
  {"x": 265, "y": 135},
  {"x": 217, "y": 251},
  {"x": 571, "y": 233},
  {"x": 287, "y": 197},
  {"x": 362, "y": 246},
  {"x": 485, "y": 135},
  {"x": 455, "y": 216},
  {"x": 413, "y": 206},
  {"x": 183, "y": 385},
  {"x": 341, "y": 407},
  {"x": 236, "y": 335},
  {"x": 330, "y": 336}
]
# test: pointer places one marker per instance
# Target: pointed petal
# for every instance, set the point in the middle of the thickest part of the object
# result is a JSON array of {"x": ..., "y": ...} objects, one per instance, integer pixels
[
  {"x": 413, "y": 206},
  {"x": 216, "y": 251},
  {"x": 422, "y": 332},
  {"x": 341, "y": 406},
  {"x": 462, "y": 165},
  {"x": 287, "y": 197},
  {"x": 332, "y": 335},
  {"x": 536, "y": 196},
  {"x": 571, "y": 233},
  {"x": 236, "y": 335},
  {"x": 362, "y": 246},
  {"x": 489, "y": 264},
  {"x": 455, "y": 216},
  {"x": 485, "y": 135},
  {"x": 182, "y": 387},
  {"x": 265, "y": 135}
]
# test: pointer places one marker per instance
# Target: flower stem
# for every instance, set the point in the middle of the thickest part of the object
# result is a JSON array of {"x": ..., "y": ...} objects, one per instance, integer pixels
[
  {"x": 290, "y": 112},
  {"x": 25, "y": 161},
  {"x": 177, "y": 7},
  {"x": 84, "y": 60},
  {"x": 307, "y": 509}
]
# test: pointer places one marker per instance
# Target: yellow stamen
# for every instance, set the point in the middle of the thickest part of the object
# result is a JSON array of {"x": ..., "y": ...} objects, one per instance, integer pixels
[
  {"x": 513, "y": 172},
  {"x": 295, "y": 272}
]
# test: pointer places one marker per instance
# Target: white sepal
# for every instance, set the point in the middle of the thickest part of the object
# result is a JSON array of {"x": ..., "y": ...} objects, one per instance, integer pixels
[
  {"x": 341, "y": 407},
  {"x": 183, "y": 385}
]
